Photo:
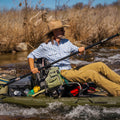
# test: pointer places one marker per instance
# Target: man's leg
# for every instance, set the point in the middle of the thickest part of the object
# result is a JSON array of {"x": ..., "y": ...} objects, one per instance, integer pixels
[
  {"x": 92, "y": 76},
  {"x": 104, "y": 70}
]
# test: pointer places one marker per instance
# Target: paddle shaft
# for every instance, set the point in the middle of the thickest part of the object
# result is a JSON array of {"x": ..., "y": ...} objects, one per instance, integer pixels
[
  {"x": 49, "y": 65},
  {"x": 16, "y": 79}
]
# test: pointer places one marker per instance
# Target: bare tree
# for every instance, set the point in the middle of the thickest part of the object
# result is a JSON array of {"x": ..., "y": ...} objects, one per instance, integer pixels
[{"x": 25, "y": 24}]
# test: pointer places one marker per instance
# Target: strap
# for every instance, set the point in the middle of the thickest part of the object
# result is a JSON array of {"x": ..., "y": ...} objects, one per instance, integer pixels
[
  {"x": 4, "y": 80},
  {"x": 65, "y": 80}
]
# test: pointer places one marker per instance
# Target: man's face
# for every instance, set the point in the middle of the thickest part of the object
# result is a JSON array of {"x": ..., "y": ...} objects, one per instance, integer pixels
[{"x": 59, "y": 33}]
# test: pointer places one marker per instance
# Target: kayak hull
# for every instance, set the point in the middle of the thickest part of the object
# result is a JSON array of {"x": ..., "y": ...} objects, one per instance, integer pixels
[{"x": 43, "y": 101}]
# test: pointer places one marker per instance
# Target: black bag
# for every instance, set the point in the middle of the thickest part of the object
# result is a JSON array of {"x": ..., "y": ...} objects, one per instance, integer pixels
[{"x": 20, "y": 87}]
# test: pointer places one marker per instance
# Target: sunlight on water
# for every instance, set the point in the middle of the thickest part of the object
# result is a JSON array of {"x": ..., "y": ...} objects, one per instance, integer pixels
[
  {"x": 77, "y": 62},
  {"x": 110, "y": 59},
  {"x": 83, "y": 112}
]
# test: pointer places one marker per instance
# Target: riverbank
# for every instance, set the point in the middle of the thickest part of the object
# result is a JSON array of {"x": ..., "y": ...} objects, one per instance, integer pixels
[{"x": 87, "y": 25}]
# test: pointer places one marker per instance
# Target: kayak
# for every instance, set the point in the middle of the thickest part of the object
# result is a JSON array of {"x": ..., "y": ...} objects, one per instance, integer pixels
[
  {"x": 43, "y": 101},
  {"x": 98, "y": 98}
]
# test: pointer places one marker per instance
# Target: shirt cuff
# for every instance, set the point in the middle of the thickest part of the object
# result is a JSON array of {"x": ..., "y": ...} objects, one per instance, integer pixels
[{"x": 31, "y": 56}]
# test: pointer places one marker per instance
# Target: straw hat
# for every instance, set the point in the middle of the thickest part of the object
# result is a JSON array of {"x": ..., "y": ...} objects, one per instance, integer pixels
[{"x": 55, "y": 24}]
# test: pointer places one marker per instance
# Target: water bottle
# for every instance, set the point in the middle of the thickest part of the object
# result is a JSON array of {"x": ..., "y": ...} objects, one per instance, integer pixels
[{"x": 17, "y": 93}]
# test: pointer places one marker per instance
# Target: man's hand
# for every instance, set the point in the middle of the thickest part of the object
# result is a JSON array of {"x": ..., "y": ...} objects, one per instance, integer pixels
[
  {"x": 35, "y": 70},
  {"x": 81, "y": 49}
]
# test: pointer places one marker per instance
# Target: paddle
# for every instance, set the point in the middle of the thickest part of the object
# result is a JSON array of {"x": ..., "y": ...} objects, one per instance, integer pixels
[{"x": 49, "y": 65}]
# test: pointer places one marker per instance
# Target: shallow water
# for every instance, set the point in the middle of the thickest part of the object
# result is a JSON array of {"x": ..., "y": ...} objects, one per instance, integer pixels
[
  {"x": 57, "y": 111},
  {"x": 10, "y": 58}
]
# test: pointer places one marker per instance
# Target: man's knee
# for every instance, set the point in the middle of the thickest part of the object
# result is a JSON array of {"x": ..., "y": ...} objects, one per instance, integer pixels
[
  {"x": 100, "y": 63},
  {"x": 89, "y": 74}
]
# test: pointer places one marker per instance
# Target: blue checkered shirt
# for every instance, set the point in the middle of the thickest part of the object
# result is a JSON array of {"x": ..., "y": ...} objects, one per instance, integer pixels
[{"x": 54, "y": 52}]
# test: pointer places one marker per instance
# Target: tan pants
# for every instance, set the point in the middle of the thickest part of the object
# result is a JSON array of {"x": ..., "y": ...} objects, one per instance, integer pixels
[{"x": 99, "y": 73}]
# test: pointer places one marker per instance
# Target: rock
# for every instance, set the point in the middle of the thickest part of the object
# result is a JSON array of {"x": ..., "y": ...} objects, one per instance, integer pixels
[
  {"x": 3, "y": 41},
  {"x": 20, "y": 47},
  {"x": 13, "y": 52},
  {"x": 3, "y": 75}
]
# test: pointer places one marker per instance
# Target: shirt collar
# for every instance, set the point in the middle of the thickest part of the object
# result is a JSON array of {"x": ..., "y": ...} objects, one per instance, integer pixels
[{"x": 61, "y": 41}]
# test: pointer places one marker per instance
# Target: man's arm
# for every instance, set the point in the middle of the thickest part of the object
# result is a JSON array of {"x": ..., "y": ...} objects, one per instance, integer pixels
[
  {"x": 35, "y": 54},
  {"x": 31, "y": 64}
]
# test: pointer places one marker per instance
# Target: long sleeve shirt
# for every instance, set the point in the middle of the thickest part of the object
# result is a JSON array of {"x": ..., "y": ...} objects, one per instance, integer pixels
[{"x": 54, "y": 52}]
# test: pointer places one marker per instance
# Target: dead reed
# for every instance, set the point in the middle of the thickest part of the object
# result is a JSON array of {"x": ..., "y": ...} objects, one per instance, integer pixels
[{"x": 88, "y": 25}]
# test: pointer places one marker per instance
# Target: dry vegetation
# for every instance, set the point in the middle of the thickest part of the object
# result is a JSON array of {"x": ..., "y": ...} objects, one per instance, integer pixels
[{"x": 88, "y": 25}]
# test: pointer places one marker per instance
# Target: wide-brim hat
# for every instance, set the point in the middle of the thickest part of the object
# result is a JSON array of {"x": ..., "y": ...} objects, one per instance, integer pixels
[{"x": 55, "y": 24}]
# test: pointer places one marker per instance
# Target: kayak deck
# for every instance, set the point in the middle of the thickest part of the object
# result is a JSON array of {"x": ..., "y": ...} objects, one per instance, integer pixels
[{"x": 43, "y": 101}]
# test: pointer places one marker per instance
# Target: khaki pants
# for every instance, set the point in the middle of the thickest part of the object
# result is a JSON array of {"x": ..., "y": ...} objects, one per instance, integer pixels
[{"x": 99, "y": 73}]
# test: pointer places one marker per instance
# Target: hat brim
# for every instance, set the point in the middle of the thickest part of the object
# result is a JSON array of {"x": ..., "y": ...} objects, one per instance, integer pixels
[{"x": 63, "y": 26}]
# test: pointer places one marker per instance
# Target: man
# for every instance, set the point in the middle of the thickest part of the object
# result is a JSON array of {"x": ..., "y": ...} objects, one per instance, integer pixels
[{"x": 57, "y": 47}]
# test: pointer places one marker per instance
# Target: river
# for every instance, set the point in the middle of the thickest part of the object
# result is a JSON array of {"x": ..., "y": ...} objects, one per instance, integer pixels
[
  {"x": 13, "y": 58},
  {"x": 56, "y": 111}
]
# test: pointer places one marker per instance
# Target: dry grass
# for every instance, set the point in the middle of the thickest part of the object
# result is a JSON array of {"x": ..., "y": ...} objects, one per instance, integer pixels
[
  {"x": 92, "y": 25},
  {"x": 88, "y": 25}
]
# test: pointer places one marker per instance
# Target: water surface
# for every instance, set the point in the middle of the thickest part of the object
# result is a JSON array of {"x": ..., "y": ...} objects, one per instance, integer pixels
[{"x": 57, "y": 111}]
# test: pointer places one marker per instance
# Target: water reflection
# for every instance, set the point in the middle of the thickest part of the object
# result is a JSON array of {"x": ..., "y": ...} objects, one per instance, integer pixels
[{"x": 13, "y": 58}]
